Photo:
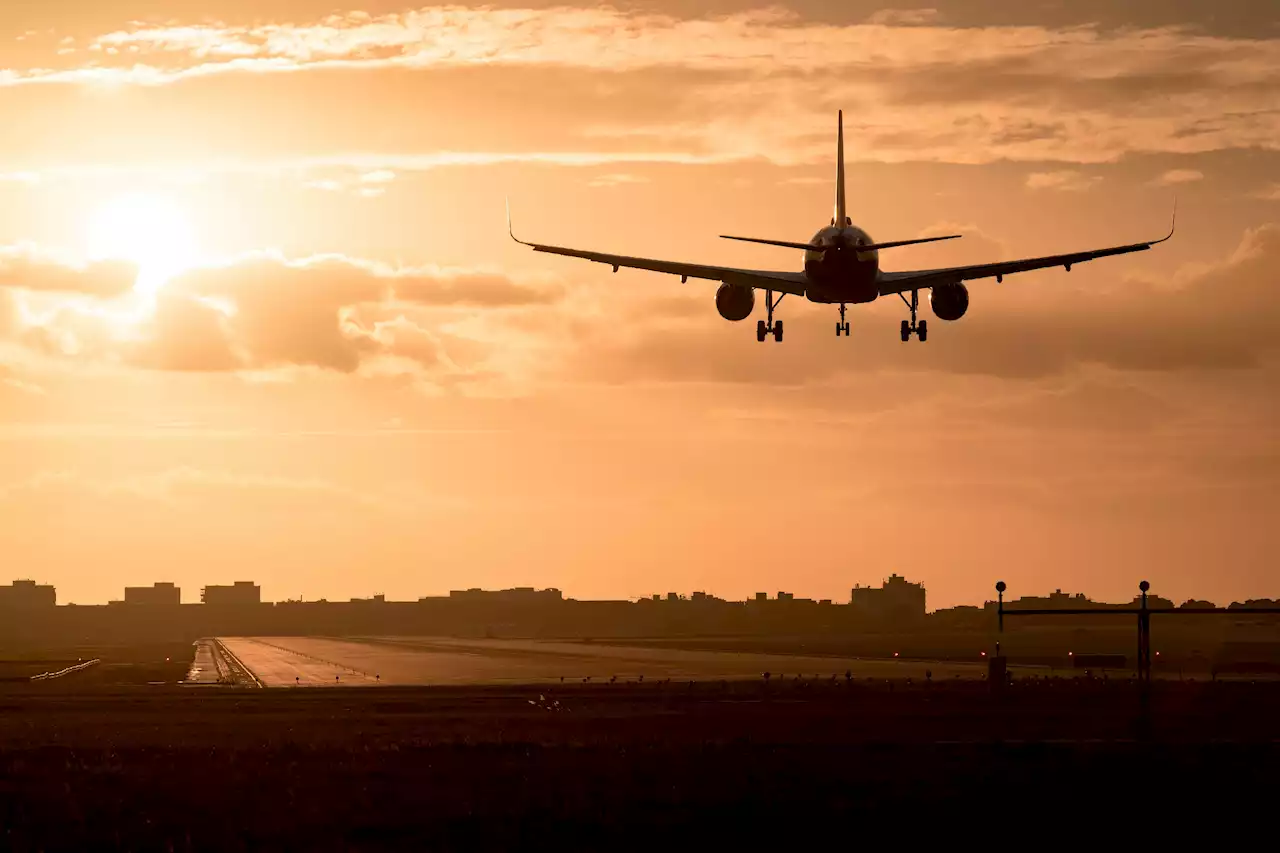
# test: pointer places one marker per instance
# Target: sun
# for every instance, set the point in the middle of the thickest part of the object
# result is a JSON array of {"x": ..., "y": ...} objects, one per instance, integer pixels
[{"x": 148, "y": 230}]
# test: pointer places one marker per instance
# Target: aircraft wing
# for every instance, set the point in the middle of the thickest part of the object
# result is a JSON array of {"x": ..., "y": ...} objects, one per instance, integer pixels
[
  {"x": 794, "y": 283},
  {"x": 900, "y": 282}
]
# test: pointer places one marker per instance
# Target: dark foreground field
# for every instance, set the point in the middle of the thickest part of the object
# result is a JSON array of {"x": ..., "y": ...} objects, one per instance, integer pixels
[{"x": 621, "y": 767}]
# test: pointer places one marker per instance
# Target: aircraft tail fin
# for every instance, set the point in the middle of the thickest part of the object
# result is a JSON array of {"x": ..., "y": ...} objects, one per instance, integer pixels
[{"x": 841, "y": 217}]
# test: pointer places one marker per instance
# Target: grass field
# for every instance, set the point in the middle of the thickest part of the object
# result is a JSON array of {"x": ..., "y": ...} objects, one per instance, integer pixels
[{"x": 608, "y": 766}]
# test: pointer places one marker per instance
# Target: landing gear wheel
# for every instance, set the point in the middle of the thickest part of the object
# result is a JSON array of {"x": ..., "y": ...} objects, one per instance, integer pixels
[
  {"x": 767, "y": 327},
  {"x": 909, "y": 327}
]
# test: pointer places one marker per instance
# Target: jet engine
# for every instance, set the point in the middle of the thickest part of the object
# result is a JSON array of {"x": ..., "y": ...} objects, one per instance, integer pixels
[
  {"x": 949, "y": 301},
  {"x": 735, "y": 302}
]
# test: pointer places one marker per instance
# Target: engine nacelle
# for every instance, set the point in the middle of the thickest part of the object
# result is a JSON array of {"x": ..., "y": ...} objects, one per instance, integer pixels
[
  {"x": 949, "y": 301},
  {"x": 735, "y": 302}
]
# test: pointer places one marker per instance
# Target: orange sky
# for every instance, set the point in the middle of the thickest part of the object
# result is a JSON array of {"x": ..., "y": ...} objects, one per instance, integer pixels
[{"x": 335, "y": 375}]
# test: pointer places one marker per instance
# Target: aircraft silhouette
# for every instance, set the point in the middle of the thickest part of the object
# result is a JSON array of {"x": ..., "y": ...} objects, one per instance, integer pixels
[{"x": 842, "y": 266}]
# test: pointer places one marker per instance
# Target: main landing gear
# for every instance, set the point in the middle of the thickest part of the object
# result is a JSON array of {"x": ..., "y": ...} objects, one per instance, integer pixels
[
  {"x": 842, "y": 328},
  {"x": 921, "y": 329},
  {"x": 764, "y": 329}
]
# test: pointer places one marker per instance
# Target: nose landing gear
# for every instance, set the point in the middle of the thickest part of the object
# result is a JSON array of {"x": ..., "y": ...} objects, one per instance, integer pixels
[
  {"x": 920, "y": 329},
  {"x": 842, "y": 328},
  {"x": 765, "y": 329}
]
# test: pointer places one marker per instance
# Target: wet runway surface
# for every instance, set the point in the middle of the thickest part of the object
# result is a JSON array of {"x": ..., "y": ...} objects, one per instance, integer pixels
[
  {"x": 203, "y": 669},
  {"x": 292, "y": 662},
  {"x": 368, "y": 661}
]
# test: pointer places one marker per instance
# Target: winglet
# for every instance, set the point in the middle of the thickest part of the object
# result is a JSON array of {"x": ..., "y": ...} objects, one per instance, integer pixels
[
  {"x": 1172, "y": 225},
  {"x": 510, "y": 229}
]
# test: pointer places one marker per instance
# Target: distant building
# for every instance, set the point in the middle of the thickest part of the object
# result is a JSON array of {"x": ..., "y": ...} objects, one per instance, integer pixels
[
  {"x": 240, "y": 593},
  {"x": 159, "y": 594},
  {"x": 27, "y": 594},
  {"x": 1196, "y": 604},
  {"x": 518, "y": 595},
  {"x": 896, "y": 598},
  {"x": 785, "y": 596},
  {"x": 762, "y": 596},
  {"x": 1056, "y": 600}
]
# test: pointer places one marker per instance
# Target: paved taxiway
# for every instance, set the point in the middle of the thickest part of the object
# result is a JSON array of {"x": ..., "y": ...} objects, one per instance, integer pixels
[{"x": 318, "y": 661}]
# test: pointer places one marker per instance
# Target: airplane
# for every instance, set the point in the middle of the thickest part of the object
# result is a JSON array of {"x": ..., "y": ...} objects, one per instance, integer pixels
[{"x": 842, "y": 266}]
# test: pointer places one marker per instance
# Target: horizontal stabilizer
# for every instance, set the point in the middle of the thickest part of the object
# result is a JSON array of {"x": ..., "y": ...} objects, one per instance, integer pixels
[
  {"x": 783, "y": 243},
  {"x": 869, "y": 247},
  {"x": 897, "y": 243}
]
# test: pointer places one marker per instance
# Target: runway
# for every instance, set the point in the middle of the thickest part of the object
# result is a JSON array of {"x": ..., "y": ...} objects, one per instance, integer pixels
[
  {"x": 372, "y": 661},
  {"x": 296, "y": 662}
]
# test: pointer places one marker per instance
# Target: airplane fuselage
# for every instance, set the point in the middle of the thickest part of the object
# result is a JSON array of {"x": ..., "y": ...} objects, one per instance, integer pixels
[{"x": 842, "y": 273}]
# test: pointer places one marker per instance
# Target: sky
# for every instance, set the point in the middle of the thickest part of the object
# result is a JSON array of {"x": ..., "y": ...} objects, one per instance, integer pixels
[{"x": 260, "y": 318}]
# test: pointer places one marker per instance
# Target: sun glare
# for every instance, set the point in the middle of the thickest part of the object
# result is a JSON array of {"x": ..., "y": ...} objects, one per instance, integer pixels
[{"x": 148, "y": 230}]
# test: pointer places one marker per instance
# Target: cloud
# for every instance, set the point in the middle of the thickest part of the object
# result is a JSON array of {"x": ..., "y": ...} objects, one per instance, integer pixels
[
  {"x": 615, "y": 39},
  {"x": 8, "y": 314},
  {"x": 903, "y": 17},
  {"x": 1179, "y": 176},
  {"x": 449, "y": 328},
  {"x": 1271, "y": 193},
  {"x": 292, "y": 312},
  {"x": 22, "y": 386},
  {"x": 11, "y": 381},
  {"x": 617, "y": 179},
  {"x": 1066, "y": 180},
  {"x": 187, "y": 485},
  {"x": 263, "y": 311},
  {"x": 27, "y": 268},
  {"x": 924, "y": 92},
  {"x": 189, "y": 335},
  {"x": 1215, "y": 317},
  {"x": 173, "y": 484}
]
